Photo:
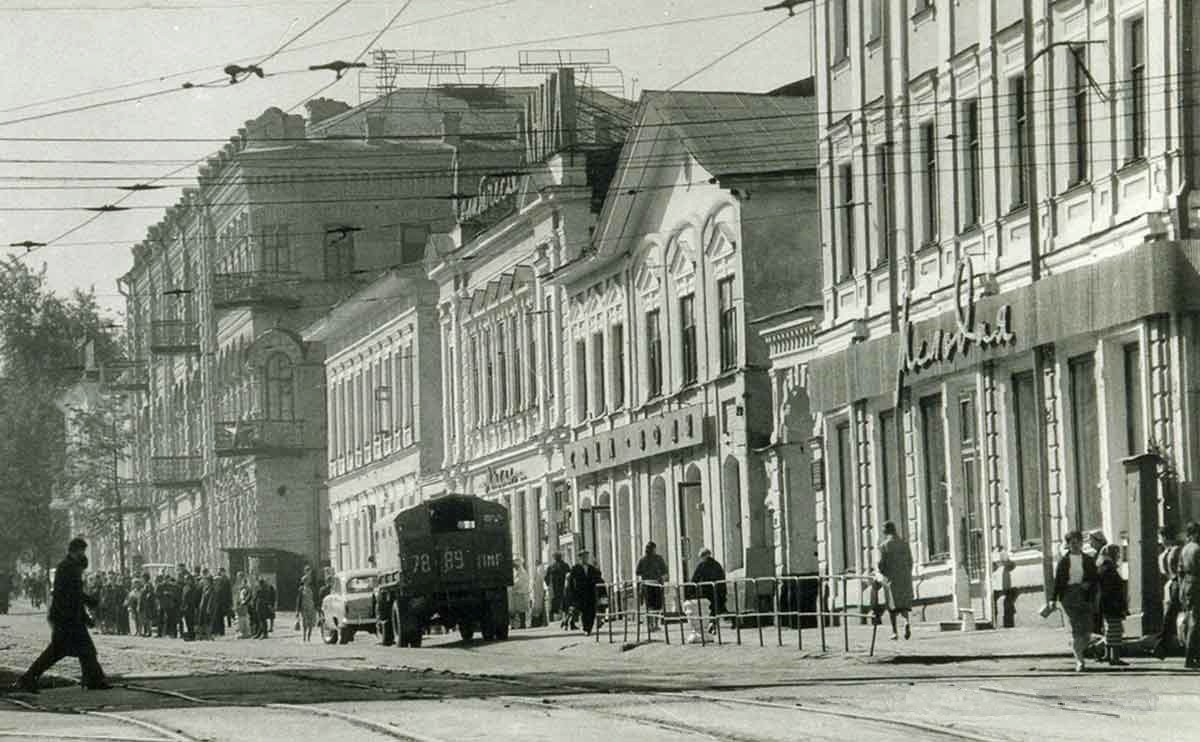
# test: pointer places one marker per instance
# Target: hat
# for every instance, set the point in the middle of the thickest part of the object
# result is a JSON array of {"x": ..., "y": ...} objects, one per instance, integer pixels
[{"x": 705, "y": 552}]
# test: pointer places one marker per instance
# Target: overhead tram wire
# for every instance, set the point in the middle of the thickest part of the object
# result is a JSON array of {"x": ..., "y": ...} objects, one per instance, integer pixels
[
  {"x": 197, "y": 70},
  {"x": 1121, "y": 86},
  {"x": 130, "y": 194},
  {"x": 731, "y": 52}
]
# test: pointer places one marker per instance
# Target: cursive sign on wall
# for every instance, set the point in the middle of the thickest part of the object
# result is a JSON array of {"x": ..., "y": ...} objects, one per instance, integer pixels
[{"x": 941, "y": 346}]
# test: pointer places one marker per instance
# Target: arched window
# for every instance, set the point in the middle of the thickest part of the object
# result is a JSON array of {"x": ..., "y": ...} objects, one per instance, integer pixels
[{"x": 279, "y": 401}]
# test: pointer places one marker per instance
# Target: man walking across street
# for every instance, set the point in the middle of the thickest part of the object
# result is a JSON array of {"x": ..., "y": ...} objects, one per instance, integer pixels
[
  {"x": 68, "y": 625},
  {"x": 583, "y": 581}
]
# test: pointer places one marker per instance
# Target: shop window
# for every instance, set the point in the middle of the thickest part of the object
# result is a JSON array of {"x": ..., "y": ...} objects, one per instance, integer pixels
[
  {"x": 1085, "y": 441},
  {"x": 937, "y": 537},
  {"x": 972, "y": 518},
  {"x": 1135, "y": 431},
  {"x": 1027, "y": 500}
]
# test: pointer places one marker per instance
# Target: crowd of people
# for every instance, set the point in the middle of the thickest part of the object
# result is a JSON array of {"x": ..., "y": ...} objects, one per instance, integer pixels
[{"x": 190, "y": 604}]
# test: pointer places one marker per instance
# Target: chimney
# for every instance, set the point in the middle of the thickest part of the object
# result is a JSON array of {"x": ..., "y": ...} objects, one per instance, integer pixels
[{"x": 323, "y": 108}]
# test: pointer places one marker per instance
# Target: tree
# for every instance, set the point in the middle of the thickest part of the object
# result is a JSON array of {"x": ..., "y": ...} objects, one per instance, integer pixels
[{"x": 40, "y": 338}]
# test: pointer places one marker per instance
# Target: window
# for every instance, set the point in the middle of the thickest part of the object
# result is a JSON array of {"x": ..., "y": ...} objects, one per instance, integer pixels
[
  {"x": 476, "y": 380},
  {"x": 408, "y": 389},
  {"x": 884, "y": 198},
  {"x": 929, "y": 186},
  {"x": 1025, "y": 438},
  {"x": 1079, "y": 122},
  {"x": 276, "y": 249},
  {"x": 846, "y": 218},
  {"x": 339, "y": 253},
  {"x": 687, "y": 317},
  {"x": 489, "y": 380},
  {"x": 875, "y": 29},
  {"x": 933, "y": 442},
  {"x": 654, "y": 367},
  {"x": 581, "y": 386},
  {"x": 501, "y": 372},
  {"x": 412, "y": 243},
  {"x": 891, "y": 495},
  {"x": 548, "y": 347},
  {"x": 1135, "y": 33},
  {"x": 841, "y": 30},
  {"x": 973, "y": 185},
  {"x": 279, "y": 400},
  {"x": 618, "y": 362},
  {"x": 1020, "y": 134},
  {"x": 531, "y": 357},
  {"x": 845, "y": 494},
  {"x": 598, "y": 371},
  {"x": 1135, "y": 435},
  {"x": 517, "y": 380},
  {"x": 728, "y": 323},
  {"x": 1085, "y": 441}
]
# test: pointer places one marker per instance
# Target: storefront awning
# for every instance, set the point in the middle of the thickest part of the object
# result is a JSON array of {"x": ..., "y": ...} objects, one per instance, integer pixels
[{"x": 1152, "y": 279}]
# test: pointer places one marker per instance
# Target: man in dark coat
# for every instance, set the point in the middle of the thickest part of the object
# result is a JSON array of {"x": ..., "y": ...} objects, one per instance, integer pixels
[
  {"x": 224, "y": 601},
  {"x": 270, "y": 598},
  {"x": 189, "y": 600},
  {"x": 68, "y": 625},
  {"x": 556, "y": 583},
  {"x": 583, "y": 581},
  {"x": 710, "y": 570}
]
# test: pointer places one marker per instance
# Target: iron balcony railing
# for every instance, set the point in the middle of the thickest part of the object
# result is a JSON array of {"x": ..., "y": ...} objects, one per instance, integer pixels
[
  {"x": 170, "y": 336},
  {"x": 125, "y": 376},
  {"x": 274, "y": 288},
  {"x": 176, "y": 471},
  {"x": 260, "y": 437}
]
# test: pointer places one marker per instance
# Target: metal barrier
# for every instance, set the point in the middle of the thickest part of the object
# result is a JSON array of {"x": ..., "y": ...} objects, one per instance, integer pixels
[{"x": 652, "y": 608}]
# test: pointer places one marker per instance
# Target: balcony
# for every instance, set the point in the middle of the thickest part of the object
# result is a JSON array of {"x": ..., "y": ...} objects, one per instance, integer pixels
[
  {"x": 258, "y": 288},
  {"x": 176, "y": 472},
  {"x": 173, "y": 337},
  {"x": 125, "y": 376},
  {"x": 261, "y": 438}
]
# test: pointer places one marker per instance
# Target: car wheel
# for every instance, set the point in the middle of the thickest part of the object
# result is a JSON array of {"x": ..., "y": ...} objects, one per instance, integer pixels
[
  {"x": 329, "y": 634},
  {"x": 383, "y": 629},
  {"x": 467, "y": 631}
]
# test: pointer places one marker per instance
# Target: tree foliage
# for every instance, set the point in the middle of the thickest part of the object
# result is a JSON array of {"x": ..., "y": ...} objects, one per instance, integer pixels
[{"x": 41, "y": 334}]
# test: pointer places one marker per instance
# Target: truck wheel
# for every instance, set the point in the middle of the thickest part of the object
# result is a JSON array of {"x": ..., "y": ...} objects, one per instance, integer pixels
[
  {"x": 345, "y": 636},
  {"x": 498, "y": 616},
  {"x": 467, "y": 630}
]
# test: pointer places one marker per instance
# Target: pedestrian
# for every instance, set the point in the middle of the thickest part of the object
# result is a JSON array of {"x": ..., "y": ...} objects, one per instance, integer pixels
[
  {"x": 224, "y": 599},
  {"x": 131, "y": 607},
  {"x": 710, "y": 576},
  {"x": 1114, "y": 602},
  {"x": 244, "y": 603},
  {"x": 122, "y": 605},
  {"x": 1075, "y": 580},
  {"x": 1168, "y": 568},
  {"x": 652, "y": 573},
  {"x": 147, "y": 606},
  {"x": 1189, "y": 595},
  {"x": 271, "y": 604},
  {"x": 583, "y": 579},
  {"x": 306, "y": 605},
  {"x": 895, "y": 568},
  {"x": 262, "y": 608},
  {"x": 68, "y": 625},
  {"x": 556, "y": 584},
  {"x": 518, "y": 594},
  {"x": 187, "y": 607}
]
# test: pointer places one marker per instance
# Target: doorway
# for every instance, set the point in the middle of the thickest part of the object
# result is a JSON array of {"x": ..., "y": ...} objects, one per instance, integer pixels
[
  {"x": 974, "y": 547},
  {"x": 691, "y": 521}
]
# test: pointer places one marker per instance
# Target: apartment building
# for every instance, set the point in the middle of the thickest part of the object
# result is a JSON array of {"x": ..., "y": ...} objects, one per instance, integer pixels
[{"x": 1009, "y": 285}]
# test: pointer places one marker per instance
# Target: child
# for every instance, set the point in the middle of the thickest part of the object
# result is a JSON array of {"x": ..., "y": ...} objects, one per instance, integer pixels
[{"x": 1113, "y": 603}]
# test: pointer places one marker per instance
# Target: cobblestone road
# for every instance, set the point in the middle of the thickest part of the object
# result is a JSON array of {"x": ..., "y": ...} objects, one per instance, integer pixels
[{"x": 547, "y": 684}]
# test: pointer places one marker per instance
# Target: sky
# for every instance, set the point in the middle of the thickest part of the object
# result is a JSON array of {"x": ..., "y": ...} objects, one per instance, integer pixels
[{"x": 61, "y": 48}]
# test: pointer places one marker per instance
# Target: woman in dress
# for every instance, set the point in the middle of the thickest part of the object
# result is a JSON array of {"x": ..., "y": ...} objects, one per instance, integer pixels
[
  {"x": 1075, "y": 581},
  {"x": 306, "y": 605},
  {"x": 518, "y": 595}
]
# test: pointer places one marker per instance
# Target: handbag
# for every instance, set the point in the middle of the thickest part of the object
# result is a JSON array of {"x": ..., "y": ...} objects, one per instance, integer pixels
[
  {"x": 296, "y": 626},
  {"x": 1047, "y": 609}
]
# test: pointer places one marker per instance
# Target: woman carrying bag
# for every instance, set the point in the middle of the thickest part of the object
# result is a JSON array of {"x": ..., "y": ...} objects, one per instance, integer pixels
[{"x": 1075, "y": 580}]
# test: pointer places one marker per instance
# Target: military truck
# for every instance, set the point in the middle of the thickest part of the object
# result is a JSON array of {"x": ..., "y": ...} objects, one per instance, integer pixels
[{"x": 455, "y": 570}]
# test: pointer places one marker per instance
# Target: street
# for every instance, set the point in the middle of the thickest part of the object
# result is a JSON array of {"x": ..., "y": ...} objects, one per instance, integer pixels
[{"x": 545, "y": 684}]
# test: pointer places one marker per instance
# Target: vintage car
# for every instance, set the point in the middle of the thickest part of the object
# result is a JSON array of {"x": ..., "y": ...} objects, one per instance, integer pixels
[{"x": 349, "y": 606}]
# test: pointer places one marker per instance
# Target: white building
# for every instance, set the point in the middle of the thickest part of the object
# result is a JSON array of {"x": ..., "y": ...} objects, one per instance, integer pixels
[
  {"x": 1009, "y": 289},
  {"x": 669, "y": 398}
]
